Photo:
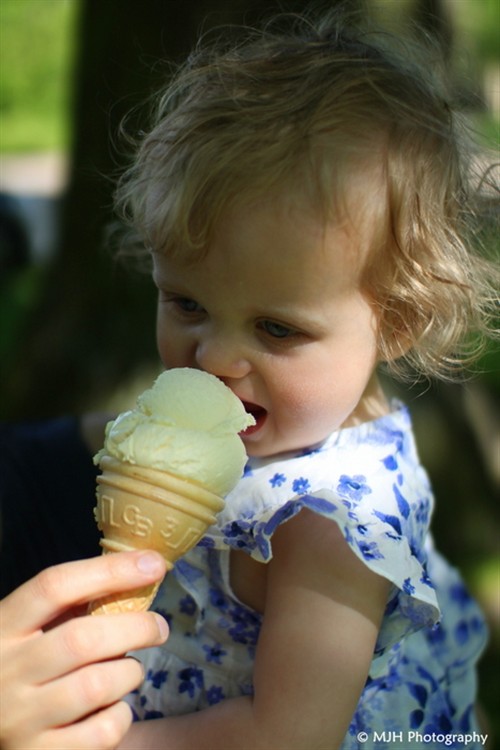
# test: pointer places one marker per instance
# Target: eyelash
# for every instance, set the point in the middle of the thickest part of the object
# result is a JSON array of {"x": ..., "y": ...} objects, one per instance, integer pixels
[
  {"x": 187, "y": 305},
  {"x": 287, "y": 332}
]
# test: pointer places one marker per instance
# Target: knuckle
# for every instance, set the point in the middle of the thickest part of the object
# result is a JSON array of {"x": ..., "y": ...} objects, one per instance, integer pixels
[
  {"x": 50, "y": 584},
  {"x": 110, "y": 726},
  {"x": 78, "y": 641},
  {"x": 94, "y": 687}
]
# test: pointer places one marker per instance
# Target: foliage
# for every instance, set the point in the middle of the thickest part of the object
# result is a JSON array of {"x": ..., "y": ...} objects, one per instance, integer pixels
[
  {"x": 480, "y": 23},
  {"x": 36, "y": 54}
]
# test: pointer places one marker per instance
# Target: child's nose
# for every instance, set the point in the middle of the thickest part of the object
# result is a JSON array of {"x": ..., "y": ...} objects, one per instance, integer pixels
[{"x": 222, "y": 356}]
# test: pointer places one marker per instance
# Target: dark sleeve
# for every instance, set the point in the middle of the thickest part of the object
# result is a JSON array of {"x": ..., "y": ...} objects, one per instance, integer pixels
[{"x": 47, "y": 495}]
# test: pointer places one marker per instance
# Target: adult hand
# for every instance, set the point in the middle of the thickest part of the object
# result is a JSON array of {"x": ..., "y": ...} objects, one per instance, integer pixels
[{"x": 63, "y": 676}]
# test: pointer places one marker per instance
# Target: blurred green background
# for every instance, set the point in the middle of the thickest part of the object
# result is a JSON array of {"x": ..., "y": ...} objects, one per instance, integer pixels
[
  {"x": 37, "y": 40},
  {"x": 77, "y": 331}
]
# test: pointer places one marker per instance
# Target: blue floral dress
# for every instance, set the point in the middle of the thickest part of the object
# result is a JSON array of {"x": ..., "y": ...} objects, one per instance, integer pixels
[{"x": 367, "y": 479}]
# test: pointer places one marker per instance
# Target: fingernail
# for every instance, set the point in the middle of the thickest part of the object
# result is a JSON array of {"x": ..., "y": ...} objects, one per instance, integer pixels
[
  {"x": 149, "y": 563},
  {"x": 139, "y": 662},
  {"x": 162, "y": 626}
]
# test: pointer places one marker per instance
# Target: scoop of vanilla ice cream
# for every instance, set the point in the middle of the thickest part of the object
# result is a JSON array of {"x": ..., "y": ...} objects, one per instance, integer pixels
[{"x": 186, "y": 424}]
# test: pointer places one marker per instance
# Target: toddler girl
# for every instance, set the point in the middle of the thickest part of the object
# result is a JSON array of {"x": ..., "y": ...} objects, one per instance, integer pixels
[{"x": 302, "y": 198}]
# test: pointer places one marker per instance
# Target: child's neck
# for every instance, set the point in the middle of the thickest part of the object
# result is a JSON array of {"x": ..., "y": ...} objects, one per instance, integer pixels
[{"x": 372, "y": 405}]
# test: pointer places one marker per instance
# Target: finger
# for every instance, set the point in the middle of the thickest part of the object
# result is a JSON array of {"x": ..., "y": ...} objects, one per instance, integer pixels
[
  {"x": 87, "y": 640},
  {"x": 89, "y": 689},
  {"x": 104, "y": 730},
  {"x": 60, "y": 587},
  {"x": 71, "y": 698}
]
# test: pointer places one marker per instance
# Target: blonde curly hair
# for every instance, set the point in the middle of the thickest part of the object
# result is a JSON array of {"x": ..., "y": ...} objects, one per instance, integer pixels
[{"x": 309, "y": 104}]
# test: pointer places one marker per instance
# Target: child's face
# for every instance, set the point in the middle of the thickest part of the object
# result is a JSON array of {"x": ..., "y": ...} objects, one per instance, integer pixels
[{"x": 276, "y": 312}]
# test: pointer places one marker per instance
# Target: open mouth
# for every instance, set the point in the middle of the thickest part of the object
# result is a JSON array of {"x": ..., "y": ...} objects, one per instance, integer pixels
[{"x": 258, "y": 413}]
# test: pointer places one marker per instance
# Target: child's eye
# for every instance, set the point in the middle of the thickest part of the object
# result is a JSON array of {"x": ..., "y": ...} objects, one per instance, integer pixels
[
  {"x": 187, "y": 305},
  {"x": 276, "y": 330}
]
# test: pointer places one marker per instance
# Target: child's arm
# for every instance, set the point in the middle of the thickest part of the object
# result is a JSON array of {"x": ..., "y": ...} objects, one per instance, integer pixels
[
  {"x": 323, "y": 612},
  {"x": 62, "y": 677}
]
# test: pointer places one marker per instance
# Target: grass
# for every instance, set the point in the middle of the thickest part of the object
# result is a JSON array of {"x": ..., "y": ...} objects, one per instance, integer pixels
[
  {"x": 29, "y": 132},
  {"x": 37, "y": 48}
]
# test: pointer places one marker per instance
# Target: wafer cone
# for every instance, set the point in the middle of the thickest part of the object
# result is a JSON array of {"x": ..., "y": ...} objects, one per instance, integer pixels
[{"x": 142, "y": 508}]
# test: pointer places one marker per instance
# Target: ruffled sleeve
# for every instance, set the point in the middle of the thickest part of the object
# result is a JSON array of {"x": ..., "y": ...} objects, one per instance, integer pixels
[{"x": 369, "y": 481}]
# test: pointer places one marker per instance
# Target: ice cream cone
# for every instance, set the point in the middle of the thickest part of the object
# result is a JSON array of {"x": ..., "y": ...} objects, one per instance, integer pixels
[{"x": 143, "y": 508}]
